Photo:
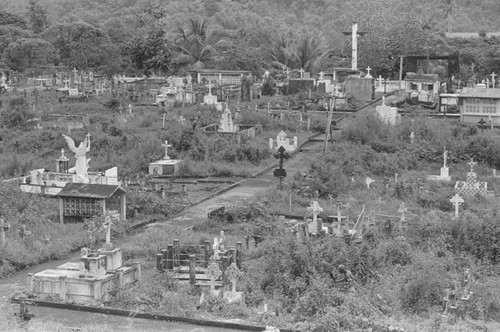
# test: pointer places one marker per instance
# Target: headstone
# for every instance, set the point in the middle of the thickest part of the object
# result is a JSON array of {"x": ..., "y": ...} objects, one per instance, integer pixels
[
  {"x": 368, "y": 75},
  {"x": 368, "y": 182},
  {"x": 226, "y": 122},
  {"x": 233, "y": 274},
  {"x": 457, "y": 200},
  {"x": 388, "y": 114},
  {"x": 213, "y": 273}
]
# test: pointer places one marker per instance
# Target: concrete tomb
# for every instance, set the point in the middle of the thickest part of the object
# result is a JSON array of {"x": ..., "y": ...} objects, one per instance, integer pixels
[
  {"x": 281, "y": 140},
  {"x": 165, "y": 166}
]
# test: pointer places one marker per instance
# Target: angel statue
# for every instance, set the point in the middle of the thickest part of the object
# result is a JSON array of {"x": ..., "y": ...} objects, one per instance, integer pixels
[{"x": 81, "y": 160}]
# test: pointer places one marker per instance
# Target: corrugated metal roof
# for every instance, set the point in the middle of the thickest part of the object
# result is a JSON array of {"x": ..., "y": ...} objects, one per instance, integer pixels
[
  {"x": 86, "y": 190},
  {"x": 480, "y": 93}
]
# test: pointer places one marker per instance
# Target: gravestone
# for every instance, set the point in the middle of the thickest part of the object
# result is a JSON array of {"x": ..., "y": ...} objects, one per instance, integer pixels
[
  {"x": 165, "y": 166},
  {"x": 226, "y": 122},
  {"x": 213, "y": 273},
  {"x": 316, "y": 227},
  {"x": 233, "y": 274},
  {"x": 457, "y": 200},
  {"x": 388, "y": 114}
]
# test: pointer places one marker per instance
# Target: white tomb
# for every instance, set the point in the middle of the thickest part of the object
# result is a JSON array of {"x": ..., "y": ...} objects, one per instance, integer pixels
[
  {"x": 388, "y": 114},
  {"x": 210, "y": 99},
  {"x": 281, "y": 140},
  {"x": 226, "y": 122},
  {"x": 165, "y": 166}
]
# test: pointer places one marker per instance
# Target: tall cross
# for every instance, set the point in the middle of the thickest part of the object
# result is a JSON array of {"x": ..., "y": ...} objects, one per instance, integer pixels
[
  {"x": 457, "y": 201},
  {"x": 493, "y": 75},
  {"x": 471, "y": 164},
  {"x": 481, "y": 123},
  {"x": 166, "y": 146}
]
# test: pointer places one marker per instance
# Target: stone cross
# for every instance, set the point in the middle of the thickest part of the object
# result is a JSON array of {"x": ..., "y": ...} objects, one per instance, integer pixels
[
  {"x": 402, "y": 210},
  {"x": 301, "y": 71},
  {"x": 493, "y": 75},
  {"x": 3, "y": 227},
  {"x": 339, "y": 205},
  {"x": 471, "y": 164},
  {"x": 315, "y": 209},
  {"x": 321, "y": 75},
  {"x": 213, "y": 272},
  {"x": 481, "y": 123},
  {"x": 233, "y": 274},
  {"x": 368, "y": 75},
  {"x": 457, "y": 201},
  {"x": 380, "y": 80},
  {"x": 166, "y": 146}
]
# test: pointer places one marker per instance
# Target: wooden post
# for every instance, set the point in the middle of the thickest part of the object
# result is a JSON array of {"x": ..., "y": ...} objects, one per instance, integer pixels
[
  {"x": 62, "y": 288},
  {"x": 232, "y": 252},
  {"x": 123, "y": 207},
  {"x": 61, "y": 210},
  {"x": 176, "y": 253},
  {"x": 159, "y": 265},
  {"x": 170, "y": 257},
  {"x": 224, "y": 264},
  {"x": 192, "y": 269},
  {"x": 31, "y": 285},
  {"x": 137, "y": 266},
  {"x": 120, "y": 278},
  {"x": 239, "y": 254},
  {"x": 329, "y": 123},
  {"x": 207, "y": 252},
  {"x": 247, "y": 241}
]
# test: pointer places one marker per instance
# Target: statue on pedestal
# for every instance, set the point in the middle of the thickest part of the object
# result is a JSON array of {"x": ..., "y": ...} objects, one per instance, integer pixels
[{"x": 81, "y": 160}]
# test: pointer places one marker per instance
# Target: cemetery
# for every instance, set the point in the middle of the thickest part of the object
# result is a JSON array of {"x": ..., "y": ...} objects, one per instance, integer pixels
[{"x": 250, "y": 172}]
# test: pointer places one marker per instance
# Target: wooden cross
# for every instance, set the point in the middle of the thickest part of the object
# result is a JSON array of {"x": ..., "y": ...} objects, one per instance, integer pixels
[
  {"x": 481, "y": 123},
  {"x": 493, "y": 75},
  {"x": 166, "y": 146},
  {"x": 472, "y": 163},
  {"x": 3, "y": 227},
  {"x": 213, "y": 272},
  {"x": 233, "y": 274},
  {"x": 457, "y": 201}
]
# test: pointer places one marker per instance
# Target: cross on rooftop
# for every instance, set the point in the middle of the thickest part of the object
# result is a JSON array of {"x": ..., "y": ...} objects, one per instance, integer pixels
[
  {"x": 472, "y": 163},
  {"x": 166, "y": 146}
]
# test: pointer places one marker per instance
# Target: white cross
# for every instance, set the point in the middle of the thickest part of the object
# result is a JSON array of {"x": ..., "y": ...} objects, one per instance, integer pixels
[
  {"x": 213, "y": 272},
  {"x": 457, "y": 201},
  {"x": 368, "y": 69},
  {"x": 493, "y": 75},
  {"x": 166, "y": 146},
  {"x": 301, "y": 71},
  {"x": 380, "y": 80},
  {"x": 321, "y": 75},
  {"x": 445, "y": 157}
]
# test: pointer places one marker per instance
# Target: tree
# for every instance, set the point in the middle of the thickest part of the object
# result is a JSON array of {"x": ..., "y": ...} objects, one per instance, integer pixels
[
  {"x": 38, "y": 16},
  {"x": 308, "y": 52},
  {"x": 16, "y": 113},
  {"x": 29, "y": 53},
  {"x": 283, "y": 52},
  {"x": 151, "y": 53}
]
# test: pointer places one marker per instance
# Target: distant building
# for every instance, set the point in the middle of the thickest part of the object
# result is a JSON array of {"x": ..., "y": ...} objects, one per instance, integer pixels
[
  {"x": 479, "y": 103},
  {"x": 422, "y": 87},
  {"x": 223, "y": 77}
]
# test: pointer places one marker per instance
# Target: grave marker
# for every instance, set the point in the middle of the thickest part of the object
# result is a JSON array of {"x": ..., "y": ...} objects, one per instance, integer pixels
[
  {"x": 493, "y": 75},
  {"x": 213, "y": 273},
  {"x": 166, "y": 146},
  {"x": 280, "y": 172},
  {"x": 457, "y": 200}
]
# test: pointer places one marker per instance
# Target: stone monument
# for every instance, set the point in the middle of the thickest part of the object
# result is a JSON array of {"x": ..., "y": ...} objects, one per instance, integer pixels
[
  {"x": 81, "y": 157},
  {"x": 166, "y": 166},
  {"x": 388, "y": 114}
]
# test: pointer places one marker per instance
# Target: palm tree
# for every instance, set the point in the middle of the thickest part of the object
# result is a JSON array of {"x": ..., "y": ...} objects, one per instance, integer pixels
[
  {"x": 308, "y": 52},
  {"x": 191, "y": 43},
  {"x": 283, "y": 52}
]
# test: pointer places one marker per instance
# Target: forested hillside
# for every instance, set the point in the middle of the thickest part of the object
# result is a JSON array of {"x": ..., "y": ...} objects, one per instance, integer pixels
[{"x": 171, "y": 36}]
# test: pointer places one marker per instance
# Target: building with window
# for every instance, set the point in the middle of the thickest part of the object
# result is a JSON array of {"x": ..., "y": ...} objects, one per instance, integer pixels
[{"x": 479, "y": 103}]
